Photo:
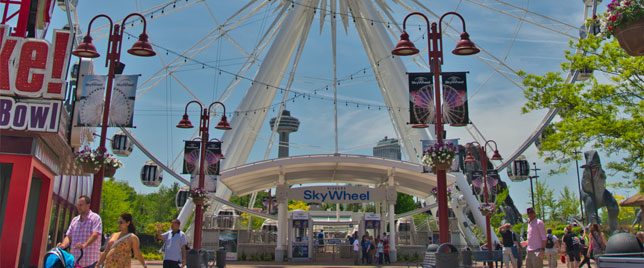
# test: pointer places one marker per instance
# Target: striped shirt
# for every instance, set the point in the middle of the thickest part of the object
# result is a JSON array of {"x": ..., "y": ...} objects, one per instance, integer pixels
[{"x": 80, "y": 231}]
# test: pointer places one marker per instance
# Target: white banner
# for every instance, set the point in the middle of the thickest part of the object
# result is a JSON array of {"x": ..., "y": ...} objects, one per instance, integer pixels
[
  {"x": 209, "y": 182},
  {"x": 337, "y": 194},
  {"x": 122, "y": 103},
  {"x": 90, "y": 104}
]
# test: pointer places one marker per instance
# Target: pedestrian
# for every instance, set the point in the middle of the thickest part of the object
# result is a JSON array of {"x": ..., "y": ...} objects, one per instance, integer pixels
[
  {"x": 386, "y": 252},
  {"x": 174, "y": 247},
  {"x": 584, "y": 249},
  {"x": 572, "y": 244},
  {"x": 552, "y": 249},
  {"x": 536, "y": 243},
  {"x": 509, "y": 241},
  {"x": 381, "y": 250},
  {"x": 365, "y": 247},
  {"x": 119, "y": 249},
  {"x": 597, "y": 241},
  {"x": 83, "y": 234},
  {"x": 356, "y": 251}
]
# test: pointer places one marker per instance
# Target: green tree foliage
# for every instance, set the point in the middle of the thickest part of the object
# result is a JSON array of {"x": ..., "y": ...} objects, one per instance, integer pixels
[
  {"x": 544, "y": 203},
  {"x": 568, "y": 204},
  {"x": 404, "y": 203},
  {"x": 606, "y": 116},
  {"x": 115, "y": 201},
  {"x": 118, "y": 198}
]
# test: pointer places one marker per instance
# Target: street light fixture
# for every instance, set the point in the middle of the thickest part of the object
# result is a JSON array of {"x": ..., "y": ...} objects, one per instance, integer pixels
[
  {"x": 86, "y": 49},
  {"x": 484, "y": 159},
  {"x": 405, "y": 47},
  {"x": 204, "y": 126}
]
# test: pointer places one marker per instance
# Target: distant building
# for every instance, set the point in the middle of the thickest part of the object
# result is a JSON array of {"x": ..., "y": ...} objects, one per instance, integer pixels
[
  {"x": 388, "y": 148},
  {"x": 287, "y": 125}
]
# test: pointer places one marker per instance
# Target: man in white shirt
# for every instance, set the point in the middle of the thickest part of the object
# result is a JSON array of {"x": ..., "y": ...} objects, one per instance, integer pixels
[{"x": 356, "y": 251}]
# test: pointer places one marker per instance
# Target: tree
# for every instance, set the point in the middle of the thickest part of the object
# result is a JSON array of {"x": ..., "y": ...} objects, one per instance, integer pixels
[
  {"x": 296, "y": 204},
  {"x": 568, "y": 204},
  {"x": 544, "y": 200},
  {"x": 404, "y": 203},
  {"x": 115, "y": 201},
  {"x": 608, "y": 117}
]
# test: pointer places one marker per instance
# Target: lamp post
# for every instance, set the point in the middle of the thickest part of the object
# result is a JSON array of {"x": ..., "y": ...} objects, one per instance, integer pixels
[
  {"x": 483, "y": 159},
  {"x": 581, "y": 203},
  {"x": 204, "y": 125},
  {"x": 86, "y": 49},
  {"x": 536, "y": 177},
  {"x": 464, "y": 47}
]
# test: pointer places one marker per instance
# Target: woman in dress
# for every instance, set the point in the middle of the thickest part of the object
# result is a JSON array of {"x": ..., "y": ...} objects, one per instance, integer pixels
[
  {"x": 118, "y": 252},
  {"x": 597, "y": 241}
]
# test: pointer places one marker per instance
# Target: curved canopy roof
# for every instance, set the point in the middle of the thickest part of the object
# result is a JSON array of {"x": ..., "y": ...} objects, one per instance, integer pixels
[{"x": 329, "y": 168}]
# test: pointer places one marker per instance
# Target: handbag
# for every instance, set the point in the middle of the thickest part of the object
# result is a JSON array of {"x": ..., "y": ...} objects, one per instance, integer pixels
[
  {"x": 563, "y": 259},
  {"x": 515, "y": 251}
]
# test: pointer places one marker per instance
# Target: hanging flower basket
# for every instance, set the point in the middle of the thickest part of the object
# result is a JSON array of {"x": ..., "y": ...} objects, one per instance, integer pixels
[
  {"x": 625, "y": 20},
  {"x": 88, "y": 168},
  {"x": 198, "y": 200},
  {"x": 487, "y": 209},
  {"x": 109, "y": 171},
  {"x": 199, "y": 196},
  {"x": 631, "y": 38},
  {"x": 439, "y": 156}
]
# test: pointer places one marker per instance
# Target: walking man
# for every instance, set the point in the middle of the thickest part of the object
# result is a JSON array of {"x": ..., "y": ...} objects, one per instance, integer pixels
[
  {"x": 83, "y": 232},
  {"x": 175, "y": 245},
  {"x": 509, "y": 242},
  {"x": 356, "y": 251},
  {"x": 536, "y": 244}
]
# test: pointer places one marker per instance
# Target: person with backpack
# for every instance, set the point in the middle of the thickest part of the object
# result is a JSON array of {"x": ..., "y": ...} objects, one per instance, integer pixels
[
  {"x": 572, "y": 244},
  {"x": 583, "y": 248},
  {"x": 552, "y": 248}
]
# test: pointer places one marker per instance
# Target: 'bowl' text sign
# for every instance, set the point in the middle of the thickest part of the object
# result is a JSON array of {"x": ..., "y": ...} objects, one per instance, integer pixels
[{"x": 337, "y": 194}]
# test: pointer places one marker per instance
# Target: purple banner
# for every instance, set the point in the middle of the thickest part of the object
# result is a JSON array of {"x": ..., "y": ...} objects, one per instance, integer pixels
[
  {"x": 191, "y": 157},
  {"x": 35, "y": 115}
]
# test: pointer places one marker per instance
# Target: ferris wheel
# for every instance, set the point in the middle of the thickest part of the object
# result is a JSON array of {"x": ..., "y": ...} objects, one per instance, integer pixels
[{"x": 256, "y": 57}]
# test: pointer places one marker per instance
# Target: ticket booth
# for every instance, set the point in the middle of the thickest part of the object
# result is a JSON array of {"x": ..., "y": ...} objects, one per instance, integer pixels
[{"x": 300, "y": 242}]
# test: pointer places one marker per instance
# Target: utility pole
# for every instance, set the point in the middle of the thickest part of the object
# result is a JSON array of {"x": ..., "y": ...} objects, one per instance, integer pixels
[{"x": 536, "y": 177}]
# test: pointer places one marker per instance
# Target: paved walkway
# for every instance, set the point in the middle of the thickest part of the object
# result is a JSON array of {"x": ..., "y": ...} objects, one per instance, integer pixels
[{"x": 136, "y": 264}]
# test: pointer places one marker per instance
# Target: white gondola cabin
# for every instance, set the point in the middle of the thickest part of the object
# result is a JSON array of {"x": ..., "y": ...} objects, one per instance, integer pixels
[
  {"x": 182, "y": 197},
  {"x": 151, "y": 174},
  {"x": 520, "y": 169},
  {"x": 121, "y": 144}
]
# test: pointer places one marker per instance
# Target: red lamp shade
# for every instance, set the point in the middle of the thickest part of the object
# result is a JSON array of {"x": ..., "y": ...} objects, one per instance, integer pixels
[
  {"x": 469, "y": 158},
  {"x": 142, "y": 47},
  {"x": 465, "y": 46},
  {"x": 420, "y": 126},
  {"x": 496, "y": 155},
  {"x": 223, "y": 124},
  {"x": 185, "y": 122},
  {"x": 86, "y": 49},
  {"x": 404, "y": 47},
  {"x": 221, "y": 156}
]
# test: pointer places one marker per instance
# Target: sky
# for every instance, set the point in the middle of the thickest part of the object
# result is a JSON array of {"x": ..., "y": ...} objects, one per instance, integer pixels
[{"x": 535, "y": 44}]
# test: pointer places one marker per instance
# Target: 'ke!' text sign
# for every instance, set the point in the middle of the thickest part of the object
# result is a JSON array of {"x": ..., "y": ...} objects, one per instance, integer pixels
[{"x": 32, "y": 80}]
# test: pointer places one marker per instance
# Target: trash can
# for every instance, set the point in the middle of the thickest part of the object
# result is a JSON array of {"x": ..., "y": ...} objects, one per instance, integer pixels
[
  {"x": 221, "y": 258},
  {"x": 447, "y": 255},
  {"x": 192, "y": 259},
  {"x": 429, "y": 261},
  {"x": 466, "y": 258}
]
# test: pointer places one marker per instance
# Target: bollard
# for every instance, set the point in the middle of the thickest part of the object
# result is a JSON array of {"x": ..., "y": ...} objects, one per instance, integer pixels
[
  {"x": 221, "y": 258},
  {"x": 192, "y": 259}
]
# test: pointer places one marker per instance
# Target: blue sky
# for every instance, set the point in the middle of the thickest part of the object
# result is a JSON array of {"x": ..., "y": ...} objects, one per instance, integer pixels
[{"x": 494, "y": 101}]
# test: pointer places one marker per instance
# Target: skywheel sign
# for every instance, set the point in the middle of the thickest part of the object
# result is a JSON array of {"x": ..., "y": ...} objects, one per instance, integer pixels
[{"x": 337, "y": 194}]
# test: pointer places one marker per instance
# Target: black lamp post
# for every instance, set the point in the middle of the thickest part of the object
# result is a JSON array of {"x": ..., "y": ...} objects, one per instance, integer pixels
[
  {"x": 435, "y": 52},
  {"x": 86, "y": 49}
]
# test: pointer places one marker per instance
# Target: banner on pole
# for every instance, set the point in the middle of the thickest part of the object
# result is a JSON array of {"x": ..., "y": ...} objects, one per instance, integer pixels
[
  {"x": 90, "y": 104},
  {"x": 191, "y": 157},
  {"x": 213, "y": 154},
  {"x": 422, "y": 103},
  {"x": 122, "y": 103}
]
